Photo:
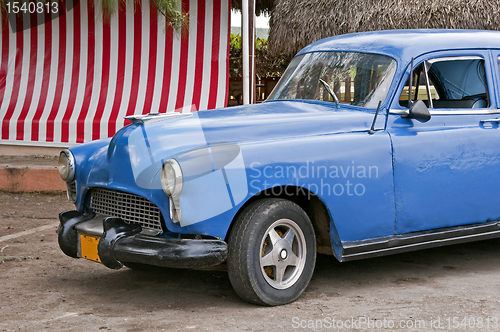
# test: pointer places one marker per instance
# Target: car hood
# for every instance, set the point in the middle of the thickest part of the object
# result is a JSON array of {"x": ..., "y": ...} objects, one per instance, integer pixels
[
  {"x": 138, "y": 150},
  {"x": 266, "y": 121}
]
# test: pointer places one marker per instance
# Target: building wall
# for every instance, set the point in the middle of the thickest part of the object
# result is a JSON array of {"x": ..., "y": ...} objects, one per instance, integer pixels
[{"x": 74, "y": 78}]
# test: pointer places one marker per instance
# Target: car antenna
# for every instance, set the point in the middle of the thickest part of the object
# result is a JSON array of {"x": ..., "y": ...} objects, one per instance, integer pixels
[{"x": 375, "y": 118}]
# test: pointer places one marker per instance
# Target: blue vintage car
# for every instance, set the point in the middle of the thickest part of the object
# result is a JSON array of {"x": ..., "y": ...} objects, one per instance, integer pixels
[{"x": 370, "y": 144}]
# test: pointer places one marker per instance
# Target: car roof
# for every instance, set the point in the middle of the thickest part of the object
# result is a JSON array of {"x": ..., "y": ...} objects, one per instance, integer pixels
[{"x": 402, "y": 45}]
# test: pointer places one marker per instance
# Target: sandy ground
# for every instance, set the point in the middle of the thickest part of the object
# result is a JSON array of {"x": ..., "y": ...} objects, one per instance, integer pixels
[{"x": 41, "y": 289}]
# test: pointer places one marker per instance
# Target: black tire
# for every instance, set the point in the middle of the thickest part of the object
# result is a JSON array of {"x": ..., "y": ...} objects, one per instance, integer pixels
[{"x": 251, "y": 248}]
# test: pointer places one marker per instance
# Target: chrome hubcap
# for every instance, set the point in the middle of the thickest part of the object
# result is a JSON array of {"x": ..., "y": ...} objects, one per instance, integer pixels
[{"x": 283, "y": 252}]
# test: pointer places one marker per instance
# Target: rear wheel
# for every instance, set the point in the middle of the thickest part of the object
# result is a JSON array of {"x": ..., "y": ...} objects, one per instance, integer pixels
[{"x": 272, "y": 252}]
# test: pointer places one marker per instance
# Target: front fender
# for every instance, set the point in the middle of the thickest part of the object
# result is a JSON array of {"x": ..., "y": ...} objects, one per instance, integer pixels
[{"x": 351, "y": 173}]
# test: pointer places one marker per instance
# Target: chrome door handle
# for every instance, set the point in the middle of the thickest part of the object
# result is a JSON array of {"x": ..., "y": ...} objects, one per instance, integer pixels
[{"x": 490, "y": 120}]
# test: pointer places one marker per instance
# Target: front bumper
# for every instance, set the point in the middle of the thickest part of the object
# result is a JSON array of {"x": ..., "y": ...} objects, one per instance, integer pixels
[{"x": 119, "y": 242}]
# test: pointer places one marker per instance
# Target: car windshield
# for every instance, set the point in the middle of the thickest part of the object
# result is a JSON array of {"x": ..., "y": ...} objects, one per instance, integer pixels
[{"x": 358, "y": 79}]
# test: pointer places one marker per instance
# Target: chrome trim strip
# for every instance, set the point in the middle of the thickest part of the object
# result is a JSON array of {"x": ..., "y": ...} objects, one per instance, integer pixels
[
  {"x": 455, "y": 57},
  {"x": 464, "y": 112},
  {"x": 398, "y": 112},
  {"x": 490, "y": 120},
  {"x": 428, "y": 85},
  {"x": 394, "y": 244}
]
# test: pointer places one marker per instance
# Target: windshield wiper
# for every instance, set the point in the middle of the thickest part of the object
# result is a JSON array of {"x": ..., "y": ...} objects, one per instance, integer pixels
[{"x": 330, "y": 91}]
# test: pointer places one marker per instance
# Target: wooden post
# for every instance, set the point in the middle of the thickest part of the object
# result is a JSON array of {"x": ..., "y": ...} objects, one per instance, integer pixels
[
  {"x": 347, "y": 93},
  {"x": 336, "y": 87},
  {"x": 248, "y": 49}
]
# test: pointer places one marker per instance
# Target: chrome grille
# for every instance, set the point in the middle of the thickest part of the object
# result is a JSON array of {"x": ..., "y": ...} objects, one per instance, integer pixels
[{"x": 131, "y": 208}]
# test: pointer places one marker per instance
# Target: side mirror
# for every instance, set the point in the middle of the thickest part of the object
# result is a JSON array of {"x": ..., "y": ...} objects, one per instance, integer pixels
[{"x": 419, "y": 112}]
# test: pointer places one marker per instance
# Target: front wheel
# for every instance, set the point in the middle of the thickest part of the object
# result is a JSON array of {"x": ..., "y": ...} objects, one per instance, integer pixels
[{"x": 272, "y": 252}]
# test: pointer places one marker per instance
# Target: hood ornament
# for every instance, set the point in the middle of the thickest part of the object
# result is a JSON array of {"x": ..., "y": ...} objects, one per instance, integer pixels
[{"x": 140, "y": 119}]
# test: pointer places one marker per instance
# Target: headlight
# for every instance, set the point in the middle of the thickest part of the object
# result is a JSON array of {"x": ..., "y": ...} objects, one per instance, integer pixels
[
  {"x": 66, "y": 165},
  {"x": 171, "y": 178}
]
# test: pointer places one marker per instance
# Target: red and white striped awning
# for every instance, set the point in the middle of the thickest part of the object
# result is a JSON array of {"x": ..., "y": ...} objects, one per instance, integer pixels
[{"x": 74, "y": 78}]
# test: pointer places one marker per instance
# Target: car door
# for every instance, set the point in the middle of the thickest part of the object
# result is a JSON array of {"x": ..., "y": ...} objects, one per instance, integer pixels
[{"x": 447, "y": 170}]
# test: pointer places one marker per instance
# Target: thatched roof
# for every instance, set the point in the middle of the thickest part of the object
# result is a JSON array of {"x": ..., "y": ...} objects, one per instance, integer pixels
[{"x": 297, "y": 23}]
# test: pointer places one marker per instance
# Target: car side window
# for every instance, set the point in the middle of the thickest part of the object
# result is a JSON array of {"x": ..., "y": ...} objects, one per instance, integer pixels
[
  {"x": 449, "y": 82},
  {"x": 419, "y": 88}
]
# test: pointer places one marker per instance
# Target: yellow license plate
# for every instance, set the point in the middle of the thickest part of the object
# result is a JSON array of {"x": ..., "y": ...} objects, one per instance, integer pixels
[{"x": 88, "y": 247}]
